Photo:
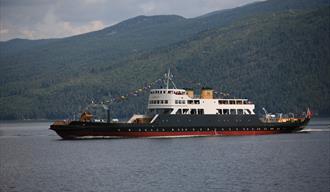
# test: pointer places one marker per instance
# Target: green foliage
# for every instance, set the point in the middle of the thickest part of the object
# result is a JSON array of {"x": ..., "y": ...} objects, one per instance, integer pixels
[{"x": 278, "y": 56}]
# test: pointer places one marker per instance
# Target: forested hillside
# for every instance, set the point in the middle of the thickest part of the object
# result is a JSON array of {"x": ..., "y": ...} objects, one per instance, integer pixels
[{"x": 275, "y": 53}]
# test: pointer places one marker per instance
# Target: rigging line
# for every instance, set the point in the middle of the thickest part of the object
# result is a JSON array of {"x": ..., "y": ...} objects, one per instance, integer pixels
[{"x": 124, "y": 97}]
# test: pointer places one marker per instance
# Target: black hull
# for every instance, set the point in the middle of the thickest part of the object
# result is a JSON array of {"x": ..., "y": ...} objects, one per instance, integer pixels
[{"x": 179, "y": 126}]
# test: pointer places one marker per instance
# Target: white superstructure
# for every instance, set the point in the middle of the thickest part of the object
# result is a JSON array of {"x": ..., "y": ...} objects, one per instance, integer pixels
[{"x": 180, "y": 101}]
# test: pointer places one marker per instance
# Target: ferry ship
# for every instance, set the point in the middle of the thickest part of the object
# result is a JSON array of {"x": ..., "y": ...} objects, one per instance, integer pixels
[{"x": 174, "y": 112}]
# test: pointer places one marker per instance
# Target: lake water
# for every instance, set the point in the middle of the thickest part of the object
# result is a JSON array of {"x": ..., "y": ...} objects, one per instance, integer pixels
[{"x": 33, "y": 158}]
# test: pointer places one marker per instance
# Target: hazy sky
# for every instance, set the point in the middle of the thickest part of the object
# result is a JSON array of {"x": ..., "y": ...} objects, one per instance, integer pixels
[{"x": 37, "y": 19}]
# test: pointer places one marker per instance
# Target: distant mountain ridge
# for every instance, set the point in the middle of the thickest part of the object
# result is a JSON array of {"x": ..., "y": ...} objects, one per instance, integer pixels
[{"x": 274, "y": 52}]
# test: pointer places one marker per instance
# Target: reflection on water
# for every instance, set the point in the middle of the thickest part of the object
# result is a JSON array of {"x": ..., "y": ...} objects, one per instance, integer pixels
[{"x": 34, "y": 158}]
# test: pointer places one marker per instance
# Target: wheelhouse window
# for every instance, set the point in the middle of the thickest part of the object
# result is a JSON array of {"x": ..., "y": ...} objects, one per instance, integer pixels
[
  {"x": 226, "y": 111},
  {"x": 200, "y": 111},
  {"x": 219, "y": 111},
  {"x": 180, "y": 102},
  {"x": 233, "y": 111},
  {"x": 196, "y": 102},
  {"x": 222, "y": 102},
  {"x": 232, "y": 102}
]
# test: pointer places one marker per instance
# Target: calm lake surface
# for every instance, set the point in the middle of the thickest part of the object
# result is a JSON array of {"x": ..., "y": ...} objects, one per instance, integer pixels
[{"x": 33, "y": 158}]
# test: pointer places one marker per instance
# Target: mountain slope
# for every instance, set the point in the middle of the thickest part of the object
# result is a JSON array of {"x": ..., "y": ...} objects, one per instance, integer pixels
[
  {"x": 276, "y": 56},
  {"x": 280, "y": 61}
]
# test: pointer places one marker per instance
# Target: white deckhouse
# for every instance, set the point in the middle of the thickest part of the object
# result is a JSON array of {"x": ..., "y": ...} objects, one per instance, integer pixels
[{"x": 181, "y": 101}]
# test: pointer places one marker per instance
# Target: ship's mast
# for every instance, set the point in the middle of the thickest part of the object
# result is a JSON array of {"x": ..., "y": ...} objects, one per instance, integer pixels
[{"x": 168, "y": 77}]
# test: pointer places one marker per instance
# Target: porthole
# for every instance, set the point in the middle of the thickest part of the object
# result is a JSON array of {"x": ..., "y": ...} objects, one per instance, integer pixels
[
  {"x": 151, "y": 129},
  {"x": 118, "y": 129},
  {"x": 145, "y": 129},
  {"x": 140, "y": 130},
  {"x": 222, "y": 129},
  {"x": 163, "y": 129},
  {"x": 200, "y": 129},
  {"x": 129, "y": 129},
  {"x": 172, "y": 129}
]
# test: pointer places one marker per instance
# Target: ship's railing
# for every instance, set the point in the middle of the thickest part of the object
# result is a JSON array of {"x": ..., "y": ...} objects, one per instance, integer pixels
[
  {"x": 62, "y": 122},
  {"x": 282, "y": 120}
]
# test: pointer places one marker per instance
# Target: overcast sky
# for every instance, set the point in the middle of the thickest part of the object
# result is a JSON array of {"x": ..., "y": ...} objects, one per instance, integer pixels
[{"x": 38, "y": 19}]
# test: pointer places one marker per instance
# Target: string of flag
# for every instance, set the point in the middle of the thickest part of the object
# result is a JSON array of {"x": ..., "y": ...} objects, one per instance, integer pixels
[
  {"x": 137, "y": 92},
  {"x": 145, "y": 88},
  {"x": 133, "y": 93}
]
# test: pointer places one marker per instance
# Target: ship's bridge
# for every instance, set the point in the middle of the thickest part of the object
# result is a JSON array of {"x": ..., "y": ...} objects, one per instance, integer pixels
[{"x": 183, "y": 101}]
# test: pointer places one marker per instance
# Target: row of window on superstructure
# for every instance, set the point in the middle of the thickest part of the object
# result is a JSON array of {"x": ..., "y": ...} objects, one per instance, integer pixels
[
  {"x": 221, "y": 102},
  {"x": 219, "y": 111},
  {"x": 168, "y": 92},
  {"x": 190, "y": 111},
  {"x": 234, "y": 111},
  {"x": 158, "y": 102},
  {"x": 234, "y": 102}
]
